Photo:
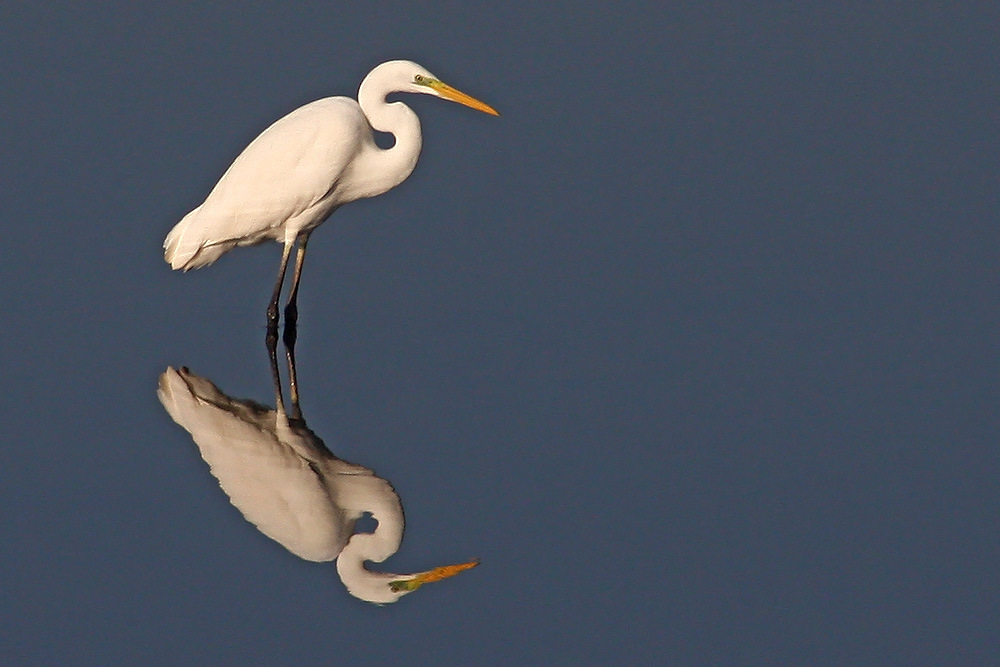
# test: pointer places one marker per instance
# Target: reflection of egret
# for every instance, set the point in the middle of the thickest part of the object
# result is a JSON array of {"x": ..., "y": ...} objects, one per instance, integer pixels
[
  {"x": 306, "y": 165},
  {"x": 284, "y": 480}
]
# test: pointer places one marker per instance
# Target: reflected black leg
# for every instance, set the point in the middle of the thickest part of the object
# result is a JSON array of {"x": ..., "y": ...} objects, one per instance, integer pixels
[
  {"x": 293, "y": 382},
  {"x": 276, "y": 378}
]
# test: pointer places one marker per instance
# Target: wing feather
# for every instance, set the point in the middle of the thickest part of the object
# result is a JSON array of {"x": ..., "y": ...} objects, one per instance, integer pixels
[{"x": 284, "y": 182}]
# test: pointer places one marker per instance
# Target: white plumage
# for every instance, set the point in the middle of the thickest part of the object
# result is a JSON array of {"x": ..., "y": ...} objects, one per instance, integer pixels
[{"x": 301, "y": 168}]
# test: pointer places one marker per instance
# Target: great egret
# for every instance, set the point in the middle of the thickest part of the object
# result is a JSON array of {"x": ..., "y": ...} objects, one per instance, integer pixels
[
  {"x": 285, "y": 481},
  {"x": 303, "y": 167}
]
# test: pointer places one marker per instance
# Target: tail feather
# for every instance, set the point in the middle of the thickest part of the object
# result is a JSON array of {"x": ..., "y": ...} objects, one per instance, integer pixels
[
  {"x": 184, "y": 248},
  {"x": 178, "y": 248}
]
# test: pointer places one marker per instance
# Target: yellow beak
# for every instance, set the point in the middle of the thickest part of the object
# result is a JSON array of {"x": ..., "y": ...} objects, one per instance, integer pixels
[
  {"x": 437, "y": 574},
  {"x": 449, "y": 93}
]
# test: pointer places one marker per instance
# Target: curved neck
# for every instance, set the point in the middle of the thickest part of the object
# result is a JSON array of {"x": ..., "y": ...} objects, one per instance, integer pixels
[
  {"x": 357, "y": 495},
  {"x": 360, "y": 581},
  {"x": 391, "y": 166}
]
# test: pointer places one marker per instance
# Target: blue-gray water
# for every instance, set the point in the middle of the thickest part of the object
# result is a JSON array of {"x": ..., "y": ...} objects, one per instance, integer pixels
[{"x": 694, "y": 346}]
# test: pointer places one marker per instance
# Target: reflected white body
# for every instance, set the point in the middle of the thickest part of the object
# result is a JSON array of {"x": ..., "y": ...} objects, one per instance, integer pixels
[{"x": 285, "y": 481}]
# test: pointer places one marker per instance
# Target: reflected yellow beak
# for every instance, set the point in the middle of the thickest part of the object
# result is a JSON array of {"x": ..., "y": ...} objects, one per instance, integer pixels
[
  {"x": 455, "y": 95},
  {"x": 437, "y": 574}
]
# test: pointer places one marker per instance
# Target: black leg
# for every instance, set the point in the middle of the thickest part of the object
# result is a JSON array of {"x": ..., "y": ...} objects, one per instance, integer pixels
[
  {"x": 291, "y": 309},
  {"x": 291, "y": 324},
  {"x": 272, "y": 308}
]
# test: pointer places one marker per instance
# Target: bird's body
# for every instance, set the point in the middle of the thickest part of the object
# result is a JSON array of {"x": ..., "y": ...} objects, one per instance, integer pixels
[
  {"x": 287, "y": 182},
  {"x": 304, "y": 166},
  {"x": 284, "y": 184}
]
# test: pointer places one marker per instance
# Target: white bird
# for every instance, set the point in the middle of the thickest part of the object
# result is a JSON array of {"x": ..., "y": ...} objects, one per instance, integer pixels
[
  {"x": 285, "y": 481},
  {"x": 306, "y": 165}
]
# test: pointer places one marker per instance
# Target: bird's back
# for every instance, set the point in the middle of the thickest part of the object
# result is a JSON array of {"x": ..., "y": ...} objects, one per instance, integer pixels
[{"x": 284, "y": 183}]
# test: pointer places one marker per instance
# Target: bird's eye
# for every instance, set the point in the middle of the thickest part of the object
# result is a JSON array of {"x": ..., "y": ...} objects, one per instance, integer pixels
[{"x": 419, "y": 78}]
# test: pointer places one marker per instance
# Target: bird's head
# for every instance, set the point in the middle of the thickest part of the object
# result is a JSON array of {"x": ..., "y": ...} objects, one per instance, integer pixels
[{"x": 409, "y": 77}]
